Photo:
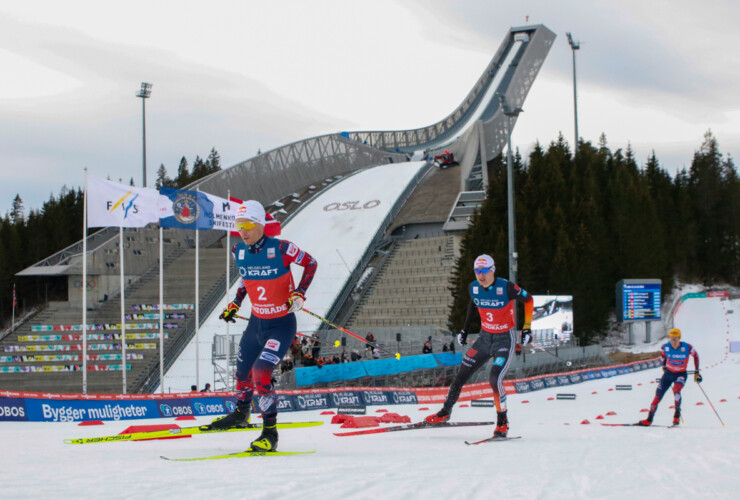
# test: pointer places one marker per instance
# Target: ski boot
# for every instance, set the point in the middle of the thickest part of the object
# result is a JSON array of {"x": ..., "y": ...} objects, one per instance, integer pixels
[
  {"x": 237, "y": 418},
  {"x": 648, "y": 421},
  {"x": 268, "y": 439},
  {"x": 441, "y": 416},
  {"x": 677, "y": 416},
  {"x": 502, "y": 425}
]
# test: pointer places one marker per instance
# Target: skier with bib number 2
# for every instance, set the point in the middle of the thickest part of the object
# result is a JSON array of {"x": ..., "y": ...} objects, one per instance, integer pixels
[{"x": 264, "y": 266}]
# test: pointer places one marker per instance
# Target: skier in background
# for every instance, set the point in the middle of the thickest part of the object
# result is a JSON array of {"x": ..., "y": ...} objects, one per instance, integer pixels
[
  {"x": 674, "y": 356},
  {"x": 494, "y": 299},
  {"x": 264, "y": 266}
]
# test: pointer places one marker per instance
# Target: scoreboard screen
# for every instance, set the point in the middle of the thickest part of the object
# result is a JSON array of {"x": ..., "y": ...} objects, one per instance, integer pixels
[{"x": 638, "y": 300}]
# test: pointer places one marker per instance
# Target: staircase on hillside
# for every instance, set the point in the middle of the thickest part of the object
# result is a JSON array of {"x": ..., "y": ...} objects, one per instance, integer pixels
[{"x": 412, "y": 287}]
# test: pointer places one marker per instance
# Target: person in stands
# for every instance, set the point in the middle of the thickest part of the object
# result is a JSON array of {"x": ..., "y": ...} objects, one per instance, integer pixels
[
  {"x": 674, "y": 356},
  {"x": 264, "y": 264},
  {"x": 494, "y": 300}
]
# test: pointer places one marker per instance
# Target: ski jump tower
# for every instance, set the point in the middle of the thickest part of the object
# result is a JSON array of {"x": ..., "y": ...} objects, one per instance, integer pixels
[{"x": 477, "y": 130}]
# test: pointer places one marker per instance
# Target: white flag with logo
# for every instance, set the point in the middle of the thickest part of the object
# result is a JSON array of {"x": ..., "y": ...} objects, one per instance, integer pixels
[
  {"x": 224, "y": 212},
  {"x": 113, "y": 204}
]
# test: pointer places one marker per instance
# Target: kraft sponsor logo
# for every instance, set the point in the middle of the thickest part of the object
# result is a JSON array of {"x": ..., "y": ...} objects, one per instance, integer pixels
[
  {"x": 203, "y": 409},
  {"x": 346, "y": 399},
  {"x": 489, "y": 302},
  {"x": 404, "y": 397},
  {"x": 375, "y": 398},
  {"x": 522, "y": 386},
  {"x": 551, "y": 382},
  {"x": 315, "y": 401}
]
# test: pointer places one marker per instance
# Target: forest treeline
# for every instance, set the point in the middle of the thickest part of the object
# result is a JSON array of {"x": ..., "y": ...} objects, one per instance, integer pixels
[
  {"x": 584, "y": 223},
  {"x": 29, "y": 237}
]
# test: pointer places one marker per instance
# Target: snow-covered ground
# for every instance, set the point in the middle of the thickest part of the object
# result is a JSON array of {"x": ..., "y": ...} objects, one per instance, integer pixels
[{"x": 557, "y": 457}]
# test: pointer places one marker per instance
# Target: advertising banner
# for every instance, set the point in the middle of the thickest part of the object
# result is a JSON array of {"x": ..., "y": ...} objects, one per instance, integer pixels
[
  {"x": 46, "y": 410},
  {"x": 375, "y": 397},
  {"x": 13, "y": 410}
]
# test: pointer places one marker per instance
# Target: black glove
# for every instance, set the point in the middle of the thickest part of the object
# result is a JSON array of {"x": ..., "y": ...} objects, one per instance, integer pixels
[
  {"x": 698, "y": 378},
  {"x": 229, "y": 313},
  {"x": 462, "y": 337},
  {"x": 526, "y": 336}
]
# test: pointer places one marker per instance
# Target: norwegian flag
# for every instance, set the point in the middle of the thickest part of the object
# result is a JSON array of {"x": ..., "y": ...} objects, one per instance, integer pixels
[{"x": 15, "y": 300}]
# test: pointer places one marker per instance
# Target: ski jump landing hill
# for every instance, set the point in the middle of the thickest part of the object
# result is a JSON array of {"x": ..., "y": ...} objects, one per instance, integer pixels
[{"x": 338, "y": 223}]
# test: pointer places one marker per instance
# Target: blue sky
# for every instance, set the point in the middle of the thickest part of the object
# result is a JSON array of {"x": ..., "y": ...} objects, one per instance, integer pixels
[{"x": 244, "y": 75}]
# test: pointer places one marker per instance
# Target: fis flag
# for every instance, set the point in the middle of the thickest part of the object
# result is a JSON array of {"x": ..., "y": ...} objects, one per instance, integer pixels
[
  {"x": 187, "y": 209},
  {"x": 113, "y": 204}
]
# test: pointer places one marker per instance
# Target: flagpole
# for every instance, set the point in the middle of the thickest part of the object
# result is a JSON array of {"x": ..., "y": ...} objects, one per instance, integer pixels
[
  {"x": 197, "y": 308},
  {"x": 228, "y": 282},
  {"x": 12, "y": 326},
  {"x": 161, "y": 312},
  {"x": 123, "y": 318},
  {"x": 84, "y": 287}
]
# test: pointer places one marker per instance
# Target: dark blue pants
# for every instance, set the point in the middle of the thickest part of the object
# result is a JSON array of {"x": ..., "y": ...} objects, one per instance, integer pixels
[
  {"x": 678, "y": 380},
  {"x": 263, "y": 345}
]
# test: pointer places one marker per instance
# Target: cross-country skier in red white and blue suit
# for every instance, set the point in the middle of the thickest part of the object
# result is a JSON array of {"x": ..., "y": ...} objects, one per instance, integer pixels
[
  {"x": 264, "y": 266},
  {"x": 674, "y": 356}
]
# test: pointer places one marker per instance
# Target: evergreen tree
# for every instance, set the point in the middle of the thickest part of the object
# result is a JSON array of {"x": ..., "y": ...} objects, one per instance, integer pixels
[
  {"x": 707, "y": 195},
  {"x": 162, "y": 178},
  {"x": 213, "y": 163},
  {"x": 183, "y": 176},
  {"x": 200, "y": 169},
  {"x": 17, "y": 214}
]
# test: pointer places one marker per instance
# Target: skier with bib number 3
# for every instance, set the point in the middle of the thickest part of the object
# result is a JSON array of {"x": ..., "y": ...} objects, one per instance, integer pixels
[
  {"x": 494, "y": 299},
  {"x": 264, "y": 266}
]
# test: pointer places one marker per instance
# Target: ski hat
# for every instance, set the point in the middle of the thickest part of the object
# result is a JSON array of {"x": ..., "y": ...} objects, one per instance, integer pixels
[
  {"x": 674, "y": 333},
  {"x": 251, "y": 210},
  {"x": 483, "y": 261}
]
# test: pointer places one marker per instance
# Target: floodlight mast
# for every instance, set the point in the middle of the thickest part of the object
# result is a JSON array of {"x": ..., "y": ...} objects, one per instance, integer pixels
[
  {"x": 144, "y": 93},
  {"x": 513, "y": 256},
  {"x": 574, "y": 45}
]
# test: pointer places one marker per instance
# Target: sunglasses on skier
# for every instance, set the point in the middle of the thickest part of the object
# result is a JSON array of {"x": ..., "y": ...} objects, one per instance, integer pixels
[
  {"x": 483, "y": 270},
  {"x": 245, "y": 226}
]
